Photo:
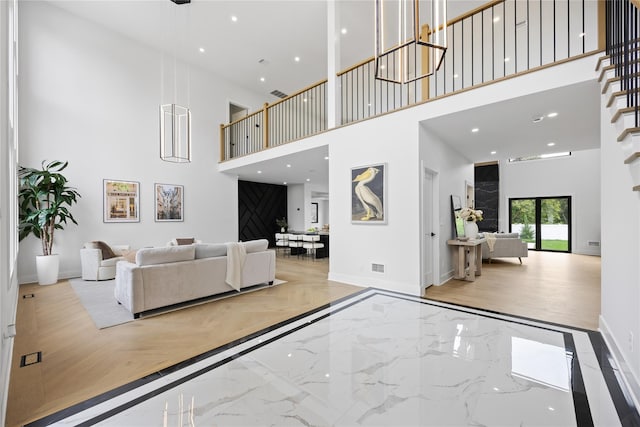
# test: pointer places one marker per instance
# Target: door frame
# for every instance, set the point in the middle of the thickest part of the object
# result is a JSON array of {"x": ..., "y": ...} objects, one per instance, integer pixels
[
  {"x": 435, "y": 226},
  {"x": 538, "y": 225}
]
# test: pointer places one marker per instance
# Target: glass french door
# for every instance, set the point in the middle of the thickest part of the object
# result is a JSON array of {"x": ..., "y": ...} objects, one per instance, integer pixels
[{"x": 543, "y": 222}]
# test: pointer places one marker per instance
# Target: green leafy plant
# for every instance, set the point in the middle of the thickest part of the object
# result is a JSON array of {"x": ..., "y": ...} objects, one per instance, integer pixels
[
  {"x": 44, "y": 200},
  {"x": 527, "y": 232},
  {"x": 282, "y": 222}
]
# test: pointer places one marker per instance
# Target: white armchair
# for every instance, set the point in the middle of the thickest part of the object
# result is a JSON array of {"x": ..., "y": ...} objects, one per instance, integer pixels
[{"x": 95, "y": 267}]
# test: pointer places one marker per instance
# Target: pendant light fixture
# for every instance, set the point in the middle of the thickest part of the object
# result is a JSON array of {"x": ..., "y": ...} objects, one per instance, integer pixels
[
  {"x": 175, "y": 120},
  {"x": 409, "y": 45}
]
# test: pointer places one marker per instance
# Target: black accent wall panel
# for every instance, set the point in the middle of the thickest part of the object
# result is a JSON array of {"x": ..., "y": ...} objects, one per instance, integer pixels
[
  {"x": 259, "y": 205},
  {"x": 487, "y": 194}
]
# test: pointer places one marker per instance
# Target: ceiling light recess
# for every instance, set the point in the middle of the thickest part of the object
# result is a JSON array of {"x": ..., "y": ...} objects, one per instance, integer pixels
[{"x": 401, "y": 42}]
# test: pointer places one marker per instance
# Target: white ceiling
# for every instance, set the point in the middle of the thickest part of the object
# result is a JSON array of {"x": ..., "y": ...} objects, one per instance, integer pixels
[{"x": 278, "y": 31}]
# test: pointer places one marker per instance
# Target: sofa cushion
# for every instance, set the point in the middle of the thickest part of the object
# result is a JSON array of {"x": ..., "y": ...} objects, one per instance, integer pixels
[
  {"x": 507, "y": 236},
  {"x": 110, "y": 262},
  {"x": 259, "y": 245},
  {"x": 165, "y": 255},
  {"x": 210, "y": 250},
  {"x": 185, "y": 241}
]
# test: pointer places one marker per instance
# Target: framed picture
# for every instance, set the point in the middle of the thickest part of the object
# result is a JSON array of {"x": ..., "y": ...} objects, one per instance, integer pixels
[
  {"x": 314, "y": 213},
  {"x": 169, "y": 202},
  {"x": 121, "y": 201},
  {"x": 369, "y": 194}
]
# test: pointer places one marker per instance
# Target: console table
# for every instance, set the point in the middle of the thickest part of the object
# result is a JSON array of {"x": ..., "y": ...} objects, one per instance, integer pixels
[{"x": 467, "y": 259}]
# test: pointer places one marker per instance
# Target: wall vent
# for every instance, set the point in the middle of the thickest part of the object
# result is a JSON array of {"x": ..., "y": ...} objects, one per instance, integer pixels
[
  {"x": 593, "y": 243},
  {"x": 278, "y": 94},
  {"x": 377, "y": 268}
]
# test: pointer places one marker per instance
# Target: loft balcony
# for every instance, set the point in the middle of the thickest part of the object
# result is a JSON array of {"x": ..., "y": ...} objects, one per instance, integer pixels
[{"x": 500, "y": 40}]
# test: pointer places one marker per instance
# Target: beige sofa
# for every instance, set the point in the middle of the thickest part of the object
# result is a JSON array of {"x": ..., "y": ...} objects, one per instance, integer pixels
[
  {"x": 166, "y": 276},
  {"x": 506, "y": 245}
]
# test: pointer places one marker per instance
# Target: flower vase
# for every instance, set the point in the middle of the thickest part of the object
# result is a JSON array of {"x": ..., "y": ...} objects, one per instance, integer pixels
[
  {"x": 282, "y": 229},
  {"x": 470, "y": 229}
]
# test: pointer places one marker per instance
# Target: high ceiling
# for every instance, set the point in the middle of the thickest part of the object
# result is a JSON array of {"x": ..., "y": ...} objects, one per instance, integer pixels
[{"x": 266, "y": 37}]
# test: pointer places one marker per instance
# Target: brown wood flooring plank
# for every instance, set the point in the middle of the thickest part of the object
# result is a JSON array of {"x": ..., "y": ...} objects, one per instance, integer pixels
[{"x": 80, "y": 361}]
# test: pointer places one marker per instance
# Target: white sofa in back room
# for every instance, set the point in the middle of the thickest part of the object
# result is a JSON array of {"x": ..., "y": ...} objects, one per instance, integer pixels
[
  {"x": 161, "y": 277},
  {"x": 505, "y": 245}
]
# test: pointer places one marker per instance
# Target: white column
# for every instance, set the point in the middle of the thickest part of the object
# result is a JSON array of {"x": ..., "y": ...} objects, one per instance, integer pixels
[{"x": 333, "y": 64}]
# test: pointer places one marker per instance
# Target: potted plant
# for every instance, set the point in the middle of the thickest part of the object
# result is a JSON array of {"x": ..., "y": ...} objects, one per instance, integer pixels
[
  {"x": 44, "y": 200},
  {"x": 470, "y": 216},
  {"x": 282, "y": 223}
]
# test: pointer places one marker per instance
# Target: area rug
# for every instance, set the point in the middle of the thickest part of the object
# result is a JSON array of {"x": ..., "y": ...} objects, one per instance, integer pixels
[{"x": 97, "y": 298}]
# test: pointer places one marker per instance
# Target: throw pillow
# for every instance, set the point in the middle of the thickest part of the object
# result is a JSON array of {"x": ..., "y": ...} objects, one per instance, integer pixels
[
  {"x": 185, "y": 241},
  {"x": 130, "y": 256},
  {"x": 107, "y": 252}
]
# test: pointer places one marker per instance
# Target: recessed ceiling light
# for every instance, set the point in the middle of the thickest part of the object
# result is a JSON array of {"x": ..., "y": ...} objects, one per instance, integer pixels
[
  {"x": 343, "y": 31},
  {"x": 288, "y": 165},
  {"x": 474, "y": 130},
  {"x": 455, "y": 76},
  {"x": 285, "y": 183},
  {"x": 538, "y": 119},
  {"x": 201, "y": 50},
  {"x": 382, "y": 67},
  {"x": 308, "y": 179},
  {"x": 297, "y": 59},
  {"x": 493, "y": 152},
  {"x": 326, "y": 157},
  {"x": 261, "y": 79},
  {"x": 234, "y": 18},
  {"x": 304, "y": 99},
  {"x": 259, "y": 171},
  {"x": 554, "y": 114},
  {"x": 507, "y": 59},
  {"x": 496, "y": 19},
  {"x": 551, "y": 144},
  {"x": 582, "y": 35}
]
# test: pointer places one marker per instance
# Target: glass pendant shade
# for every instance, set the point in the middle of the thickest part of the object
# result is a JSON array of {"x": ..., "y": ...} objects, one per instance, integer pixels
[
  {"x": 410, "y": 39},
  {"x": 175, "y": 133}
]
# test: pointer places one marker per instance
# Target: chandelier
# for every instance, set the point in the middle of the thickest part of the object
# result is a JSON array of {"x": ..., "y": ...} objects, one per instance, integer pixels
[{"x": 410, "y": 41}]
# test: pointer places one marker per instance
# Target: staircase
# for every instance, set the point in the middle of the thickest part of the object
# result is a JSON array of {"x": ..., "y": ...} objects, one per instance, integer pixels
[{"x": 620, "y": 81}]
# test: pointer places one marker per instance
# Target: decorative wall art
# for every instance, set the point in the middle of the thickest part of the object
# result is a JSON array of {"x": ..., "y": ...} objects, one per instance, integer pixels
[
  {"x": 169, "y": 202},
  {"x": 121, "y": 201},
  {"x": 368, "y": 194},
  {"x": 314, "y": 213}
]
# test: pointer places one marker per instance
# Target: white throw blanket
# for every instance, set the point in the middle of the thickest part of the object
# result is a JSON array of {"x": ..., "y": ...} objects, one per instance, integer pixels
[
  {"x": 236, "y": 255},
  {"x": 491, "y": 240}
]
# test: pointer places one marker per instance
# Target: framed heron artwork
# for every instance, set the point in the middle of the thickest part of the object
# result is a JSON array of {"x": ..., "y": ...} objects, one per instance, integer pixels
[{"x": 369, "y": 194}]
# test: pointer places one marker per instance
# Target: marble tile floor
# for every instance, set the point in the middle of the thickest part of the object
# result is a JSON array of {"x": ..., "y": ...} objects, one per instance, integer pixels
[{"x": 379, "y": 358}]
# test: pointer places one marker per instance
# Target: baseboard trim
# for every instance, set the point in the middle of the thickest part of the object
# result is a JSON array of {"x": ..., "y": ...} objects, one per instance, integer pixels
[
  {"x": 630, "y": 380},
  {"x": 367, "y": 282},
  {"x": 62, "y": 275}
]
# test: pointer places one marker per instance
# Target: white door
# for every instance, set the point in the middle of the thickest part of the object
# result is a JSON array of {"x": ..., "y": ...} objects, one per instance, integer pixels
[{"x": 429, "y": 237}]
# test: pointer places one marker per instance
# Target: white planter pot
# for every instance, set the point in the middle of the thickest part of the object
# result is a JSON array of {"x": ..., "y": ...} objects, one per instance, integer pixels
[{"x": 47, "y": 267}]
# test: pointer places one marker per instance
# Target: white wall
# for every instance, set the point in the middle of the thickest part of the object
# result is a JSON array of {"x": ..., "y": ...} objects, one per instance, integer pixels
[
  {"x": 91, "y": 97},
  {"x": 620, "y": 318},
  {"x": 577, "y": 176},
  {"x": 297, "y": 199},
  {"x": 453, "y": 170},
  {"x": 8, "y": 276}
]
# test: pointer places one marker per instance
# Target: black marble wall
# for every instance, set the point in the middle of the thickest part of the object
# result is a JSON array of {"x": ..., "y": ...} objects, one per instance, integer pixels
[{"x": 487, "y": 194}]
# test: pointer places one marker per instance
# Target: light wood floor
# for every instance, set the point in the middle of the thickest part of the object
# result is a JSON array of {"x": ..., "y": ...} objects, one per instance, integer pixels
[
  {"x": 554, "y": 287},
  {"x": 80, "y": 361}
]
